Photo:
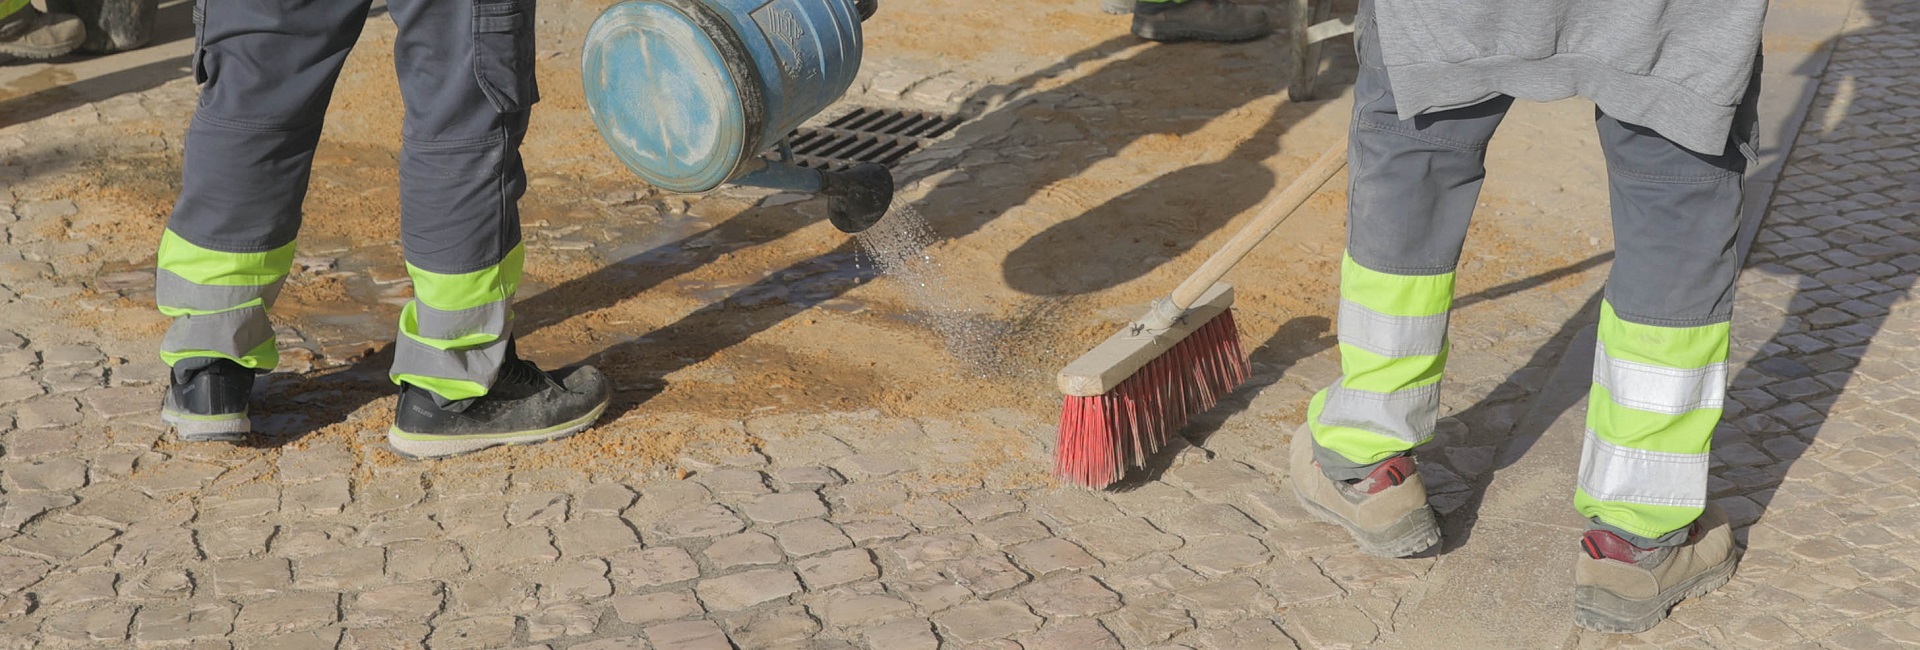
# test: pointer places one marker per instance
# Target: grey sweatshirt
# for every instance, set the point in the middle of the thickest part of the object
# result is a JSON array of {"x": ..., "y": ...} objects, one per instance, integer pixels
[{"x": 1678, "y": 67}]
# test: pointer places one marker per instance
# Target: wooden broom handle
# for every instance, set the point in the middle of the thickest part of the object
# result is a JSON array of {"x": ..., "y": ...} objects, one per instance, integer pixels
[{"x": 1276, "y": 211}]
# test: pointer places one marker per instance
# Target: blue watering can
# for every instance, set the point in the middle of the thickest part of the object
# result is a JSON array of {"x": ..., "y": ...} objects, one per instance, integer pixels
[{"x": 690, "y": 93}]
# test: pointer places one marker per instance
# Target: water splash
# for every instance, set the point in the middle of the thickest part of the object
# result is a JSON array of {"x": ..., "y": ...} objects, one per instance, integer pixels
[{"x": 899, "y": 248}]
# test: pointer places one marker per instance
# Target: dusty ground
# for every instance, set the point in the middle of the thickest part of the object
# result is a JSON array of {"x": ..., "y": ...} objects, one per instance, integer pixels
[{"x": 1074, "y": 194}]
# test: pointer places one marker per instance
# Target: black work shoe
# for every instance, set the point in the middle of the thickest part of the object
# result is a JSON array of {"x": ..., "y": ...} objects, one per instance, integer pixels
[
  {"x": 1199, "y": 20},
  {"x": 526, "y": 405},
  {"x": 211, "y": 404},
  {"x": 32, "y": 34}
]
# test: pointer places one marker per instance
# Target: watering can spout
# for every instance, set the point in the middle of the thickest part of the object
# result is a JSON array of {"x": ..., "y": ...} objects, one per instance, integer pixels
[{"x": 857, "y": 198}]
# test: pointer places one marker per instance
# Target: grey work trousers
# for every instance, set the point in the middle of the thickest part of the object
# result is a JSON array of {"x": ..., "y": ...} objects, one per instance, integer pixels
[{"x": 268, "y": 69}]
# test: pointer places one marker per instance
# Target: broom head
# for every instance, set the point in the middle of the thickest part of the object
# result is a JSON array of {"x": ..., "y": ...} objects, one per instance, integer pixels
[{"x": 1127, "y": 397}]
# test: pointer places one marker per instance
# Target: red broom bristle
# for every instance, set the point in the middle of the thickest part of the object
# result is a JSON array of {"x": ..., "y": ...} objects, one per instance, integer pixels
[{"x": 1102, "y": 436}]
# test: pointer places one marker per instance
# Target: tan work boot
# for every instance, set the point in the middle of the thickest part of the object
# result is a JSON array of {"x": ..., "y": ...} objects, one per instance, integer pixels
[
  {"x": 1624, "y": 589},
  {"x": 31, "y": 34},
  {"x": 1386, "y": 512}
]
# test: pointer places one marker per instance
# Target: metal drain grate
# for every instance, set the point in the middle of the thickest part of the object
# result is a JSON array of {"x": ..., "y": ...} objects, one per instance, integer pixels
[{"x": 866, "y": 135}]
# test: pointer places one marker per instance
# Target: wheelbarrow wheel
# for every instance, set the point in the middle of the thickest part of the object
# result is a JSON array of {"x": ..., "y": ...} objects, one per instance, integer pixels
[{"x": 1306, "y": 52}]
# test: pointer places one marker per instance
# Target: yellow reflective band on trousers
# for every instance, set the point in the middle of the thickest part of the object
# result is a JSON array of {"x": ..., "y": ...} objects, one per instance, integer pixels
[
  {"x": 218, "y": 301},
  {"x": 453, "y": 334},
  {"x": 1657, "y": 394},
  {"x": 1393, "y": 350},
  {"x": 10, "y": 7}
]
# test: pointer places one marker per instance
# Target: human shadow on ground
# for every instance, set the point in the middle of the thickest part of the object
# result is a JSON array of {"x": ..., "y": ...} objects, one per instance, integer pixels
[
  {"x": 1022, "y": 125},
  {"x": 1779, "y": 403}
]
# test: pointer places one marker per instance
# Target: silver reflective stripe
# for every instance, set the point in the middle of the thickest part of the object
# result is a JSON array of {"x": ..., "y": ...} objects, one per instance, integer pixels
[
  {"x": 1391, "y": 336},
  {"x": 1406, "y": 415},
  {"x": 490, "y": 318},
  {"x": 235, "y": 332},
  {"x": 477, "y": 364},
  {"x": 171, "y": 290},
  {"x": 1658, "y": 389},
  {"x": 1610, "y": 472}
]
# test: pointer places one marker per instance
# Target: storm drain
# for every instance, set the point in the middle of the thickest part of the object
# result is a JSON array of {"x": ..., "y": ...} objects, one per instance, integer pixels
[{"x": 866, "y": 135}]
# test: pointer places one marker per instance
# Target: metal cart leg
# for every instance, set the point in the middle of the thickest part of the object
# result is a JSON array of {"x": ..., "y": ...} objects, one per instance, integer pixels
[{"x": 1311, "y": 26}]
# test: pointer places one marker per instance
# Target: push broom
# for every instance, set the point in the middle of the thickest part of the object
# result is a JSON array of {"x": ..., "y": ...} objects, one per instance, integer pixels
[{"x": 1126, "y": 398}]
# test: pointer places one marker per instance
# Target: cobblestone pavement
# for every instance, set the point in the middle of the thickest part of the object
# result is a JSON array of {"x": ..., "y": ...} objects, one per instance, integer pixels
[{"x": 832, "y": 535}]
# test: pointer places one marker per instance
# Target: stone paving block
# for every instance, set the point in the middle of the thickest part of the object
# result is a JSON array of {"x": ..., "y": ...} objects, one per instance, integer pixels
[
  {"x": 1148, "y": 623},
  {"x": 246, "y": 502},
  {"x": 595, "y": 537},
  {"x": 805, "y": 478},
  {"x": 235, "y": 542},
  {"x": 398, "y": 637},
  {"x": 171, "y": 583},
  {"x": 247, "y": 577},
  {"x": 21, "y": 508},
  {"x": 744, "y": 549},
  {"x": 584, "y": 580},
  {"x": 46, "y": 413},
  {"x": 835, "y": 569},
  {"x": 59, "y": 541},
  {"x": 871, "y": 497},
  {"x": 652, "y": 568},
  {"x": 167, "y": 546},
  {"x": 689, "y": 635},
  {"x": 863, "y": 612},
  {"x": 986, "y": 505},
  {"x": 1008, "y": 531},
  {"x": 537, "y": 509},
  {"x": 1150, "y": 575},
  {"x": 93, "y": 626},
  {"x": 396, "y": 604},
  {"x": 392, "y": 529},
  {"x": 1065, "y": 507},
  {"x": 616, "y": 643},
  {"x": 59, "y": 474},
  {"x": 871, "y": 466},
  {"x": 1207, "y": 520},
  {"x": 1221, "y": 481},
  {"x": 412, "y": 561},
  {"x": 865, "y": 529},
  {"x": 314, "y": 462},
  {"x": 742, "y": 590},
  {"x": 987, "y": 575},
  {"x": 288, "y": 613},
  {"x": 779, "y": 627},
  {"x": 170, "y": 623},
  {"x": 18, "y": 573},
  {"x": 713, "y": 520},
  {"x": 785, "y": 507},
  {"x": 1222, "y": 603},
  {"x": 1222, "y": 555},
  {"x": 909, "y": 634},
  {"x": 324, "y": 497},
  {"x": 1083, "y": 634},
  {"x": 321, "y": 639},
  {"x": 74, "y": 588},
  {"x": 606, "y": 499},
  {"x": 348, "y": 570},
  {"x": 931, "y": 513},
  {"x": 810, "y": 537},
  {"x": 1072, "y": 596},
  {"x": 565, "y": 619},
  {"x": 1250, "y": 634},
  {"x": 515, "y": 547},
  {"x": 656, "y": 607},
  {"x": 491, "y": 593},
  {"x": 1332, "y": 624},
  {"x": 734, "y": 482},
  {"x": 475, "y": 633},
  {"x": 983, "y": 621},
  {"x": 1053, "y": 554},
  {"x": 921, "y": 551},
  {"x": 19, "y": 389},
  {"x": 929, "y": 590}
]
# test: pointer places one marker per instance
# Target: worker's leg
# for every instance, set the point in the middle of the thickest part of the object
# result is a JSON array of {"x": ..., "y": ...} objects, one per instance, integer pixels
[
  {"x": 1660, "y": 377},
  {"x": 267, "y": 70},
  {"x": 1412, "y": 188},
  {"x": 466, "y": 73},
  {"x": 1660, "y": 371}
]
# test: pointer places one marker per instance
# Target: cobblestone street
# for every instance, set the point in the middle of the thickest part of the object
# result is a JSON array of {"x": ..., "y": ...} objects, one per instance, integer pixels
[{"x": 863, "y": 527}]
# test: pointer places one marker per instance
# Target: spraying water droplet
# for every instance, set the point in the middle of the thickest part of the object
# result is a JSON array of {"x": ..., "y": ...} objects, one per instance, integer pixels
[{"x": 897, "y": 247}]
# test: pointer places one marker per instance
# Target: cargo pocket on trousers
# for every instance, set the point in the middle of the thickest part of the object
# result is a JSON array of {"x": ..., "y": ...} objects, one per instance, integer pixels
[
  {"x": 503, "y": 54},
  {"x": 199, "y": 58}
]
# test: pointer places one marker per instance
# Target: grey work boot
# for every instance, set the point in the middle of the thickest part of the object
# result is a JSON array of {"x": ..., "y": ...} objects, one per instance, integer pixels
[
  {"x": 1624, "y": 589},
  {"x": 1198, "y": 20},
  {"x": 209, "y": 404},
  {"x": 1386, "y": 512},
  {"x": 525, "y": 405},
  {"x": 31, "y": 34}
]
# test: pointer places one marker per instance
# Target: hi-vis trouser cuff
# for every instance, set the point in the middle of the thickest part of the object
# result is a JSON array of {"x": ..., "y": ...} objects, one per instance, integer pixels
[
  {"x": 453, "y": 334},
  {"x": 1657, "y": 394},
  {"x": 219, "y": 301},
  {"x": 1393, "y": 348}
]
